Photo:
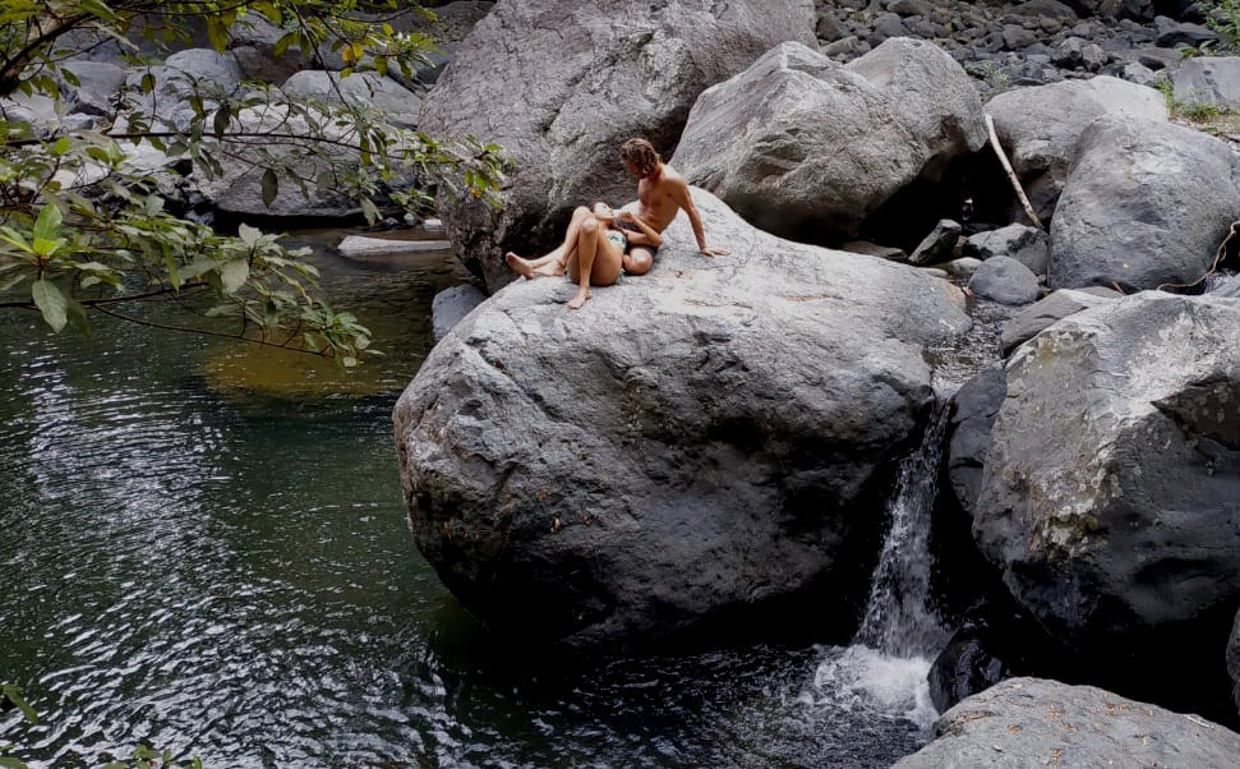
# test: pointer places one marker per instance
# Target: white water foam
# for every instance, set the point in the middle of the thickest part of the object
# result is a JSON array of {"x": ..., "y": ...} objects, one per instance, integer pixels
[
  {"x": 858, "y": 677},
  {"x": 886, "y": 668}
]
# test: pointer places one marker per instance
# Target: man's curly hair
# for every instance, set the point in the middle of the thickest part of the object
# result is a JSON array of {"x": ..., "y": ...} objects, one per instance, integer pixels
[{"x": 641, "y": 154}]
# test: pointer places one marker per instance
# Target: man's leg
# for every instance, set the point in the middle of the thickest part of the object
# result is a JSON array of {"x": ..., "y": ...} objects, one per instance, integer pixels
[{"x": 638, "y": 261}]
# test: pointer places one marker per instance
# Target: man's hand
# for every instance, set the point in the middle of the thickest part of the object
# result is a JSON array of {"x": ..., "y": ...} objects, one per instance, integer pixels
[
  {"x": 708, "y": 251},
  {"x": 624, "y": 215}
]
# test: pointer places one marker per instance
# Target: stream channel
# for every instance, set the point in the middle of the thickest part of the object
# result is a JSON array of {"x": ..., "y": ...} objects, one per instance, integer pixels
[{"x": 203, "y": 547}]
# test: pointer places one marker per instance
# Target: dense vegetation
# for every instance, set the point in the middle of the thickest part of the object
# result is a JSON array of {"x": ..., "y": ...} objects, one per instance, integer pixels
[{"x": 84, "y": 231}]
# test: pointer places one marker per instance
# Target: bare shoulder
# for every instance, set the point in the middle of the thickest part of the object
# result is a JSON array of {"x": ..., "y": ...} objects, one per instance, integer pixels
[{"x": 673, "y": 178}]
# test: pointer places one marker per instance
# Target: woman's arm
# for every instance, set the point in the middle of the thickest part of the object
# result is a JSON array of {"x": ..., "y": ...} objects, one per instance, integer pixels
[{"x": 647, "y": 236}]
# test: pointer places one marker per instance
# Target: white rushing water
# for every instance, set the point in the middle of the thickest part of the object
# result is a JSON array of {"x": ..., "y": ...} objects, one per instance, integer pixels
[{"x": 885, "y": 668}]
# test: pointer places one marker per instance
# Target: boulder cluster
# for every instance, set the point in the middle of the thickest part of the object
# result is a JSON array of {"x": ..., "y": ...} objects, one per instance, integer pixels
[{"x": 706, "y": 451}]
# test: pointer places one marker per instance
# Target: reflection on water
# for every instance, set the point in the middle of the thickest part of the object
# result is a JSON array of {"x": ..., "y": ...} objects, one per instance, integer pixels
[{"x": 205, "y": 552}]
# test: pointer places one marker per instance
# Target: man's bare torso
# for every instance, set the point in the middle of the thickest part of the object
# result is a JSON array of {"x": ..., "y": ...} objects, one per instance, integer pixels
[{"x": 655, "y": 203}]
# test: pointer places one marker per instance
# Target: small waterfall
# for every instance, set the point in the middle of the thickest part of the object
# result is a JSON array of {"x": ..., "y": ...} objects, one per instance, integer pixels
[
  {"x": 884, "y": 671},
  {"x": 898, "y": 620}
]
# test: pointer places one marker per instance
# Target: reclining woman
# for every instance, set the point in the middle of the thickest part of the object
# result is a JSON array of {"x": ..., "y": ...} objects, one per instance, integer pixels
[{"x": 593, "y": 250}]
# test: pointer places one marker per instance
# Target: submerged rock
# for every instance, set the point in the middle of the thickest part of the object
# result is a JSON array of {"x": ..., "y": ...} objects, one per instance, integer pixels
[
  {"x": 706, "y": 448},
  {"x": 1027, "y": 722},
  {"x": 562, "y": 84},
  {"x": 808, "y": 149},
  {"x": 1112, "y": 482}
]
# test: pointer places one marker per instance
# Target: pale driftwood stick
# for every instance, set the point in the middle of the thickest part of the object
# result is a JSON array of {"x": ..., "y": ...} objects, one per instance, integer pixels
[{"x": 1007, "y": 166}]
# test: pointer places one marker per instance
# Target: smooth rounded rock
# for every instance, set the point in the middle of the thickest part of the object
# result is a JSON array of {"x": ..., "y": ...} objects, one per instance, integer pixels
[
  {"x": 1146, "y": 205},
  {"x": 562, "y": 84},
  {"x": 808, "y": 149},
  {"x": 1028, "y": 722},
  {"x": 703, "y": 449},
  {"x": 1004, "y": 280}
]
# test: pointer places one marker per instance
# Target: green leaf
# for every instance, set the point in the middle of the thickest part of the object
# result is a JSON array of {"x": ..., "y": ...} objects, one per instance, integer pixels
[
  {"x": 217, "y": 34},
  {"x": 249, "y": 235},
  {"x": 148, "y": 83},
  {"x": 234, "y": 275},
  {"x": 61, "y": 146},
  {"x": 47, "y": 226},
  {"x": 271, "y": 187},
  {"x": 221, "y": 310},
  {"x": 220, "y": 122},
  {"x": 14, "y": 695},
  {"x": 51, "y": 302},
  {"x": 8, "y": 762},
  {"x": 370, "y": 210}
]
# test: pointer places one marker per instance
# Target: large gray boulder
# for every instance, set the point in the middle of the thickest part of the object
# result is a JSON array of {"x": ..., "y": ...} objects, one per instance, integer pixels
[
  {"x": 1040, "y": 127},
  {"x": 1042, "y": 314},
  {"x": 1147, "y": 204},
  {"x": 806, "y": 148},
  {"x": 1208, "y": 80},
  {"x": 368, "y": 89},
  {"x": 239, "y": 190},
  {"x": 562, "y": 84},
  {"x": 98, "y": 86},
  {"x": 1111, "y": 490},
  {"x": 1030, "y": 722},
  {"x": 193, "y": 70},
  {"x": 695, "y": 449}
]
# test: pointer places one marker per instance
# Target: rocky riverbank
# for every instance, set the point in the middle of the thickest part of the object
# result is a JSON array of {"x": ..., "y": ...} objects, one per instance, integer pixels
[
  {"x": 703, "y": 454},
  {"x": 618, "y": 472}
]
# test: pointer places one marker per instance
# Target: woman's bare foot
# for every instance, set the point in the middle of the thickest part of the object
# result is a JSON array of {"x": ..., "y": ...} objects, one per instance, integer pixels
[
  {"x": 552, "y": 269},
  {"x": 520, "y": 266},
  {"x": 577, "y": 301}
]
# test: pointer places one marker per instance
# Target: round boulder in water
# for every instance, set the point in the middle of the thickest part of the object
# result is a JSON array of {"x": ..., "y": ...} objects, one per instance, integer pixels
[{"x": 704, "y": 449}]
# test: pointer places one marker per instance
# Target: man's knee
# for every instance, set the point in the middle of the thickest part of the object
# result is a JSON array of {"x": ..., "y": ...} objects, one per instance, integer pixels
[{"x": 638, "y": 261}]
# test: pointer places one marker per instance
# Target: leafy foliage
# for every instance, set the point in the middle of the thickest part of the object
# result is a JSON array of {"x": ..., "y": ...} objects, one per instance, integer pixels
[
  {"x": 87, "y": 228},
  {"x": 1223, "y": 16}
]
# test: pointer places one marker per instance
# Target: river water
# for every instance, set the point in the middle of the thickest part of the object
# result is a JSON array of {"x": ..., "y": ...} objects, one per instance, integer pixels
[{"x": 203, "y": 547}]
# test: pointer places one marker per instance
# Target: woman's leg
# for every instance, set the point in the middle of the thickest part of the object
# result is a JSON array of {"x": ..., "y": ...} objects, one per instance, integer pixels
[
  {"x": 596, "y": 260},
  {"x": 554, "y": 261},
  {"x": 582, "y": 263}
]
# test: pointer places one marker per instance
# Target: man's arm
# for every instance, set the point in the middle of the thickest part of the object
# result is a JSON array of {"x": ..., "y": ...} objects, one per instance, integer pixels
[{"x": 680, "y": 193}]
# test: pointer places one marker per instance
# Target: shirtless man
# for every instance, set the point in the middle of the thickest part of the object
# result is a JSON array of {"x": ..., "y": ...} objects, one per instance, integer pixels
[{"x": 661, "y": 193}]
